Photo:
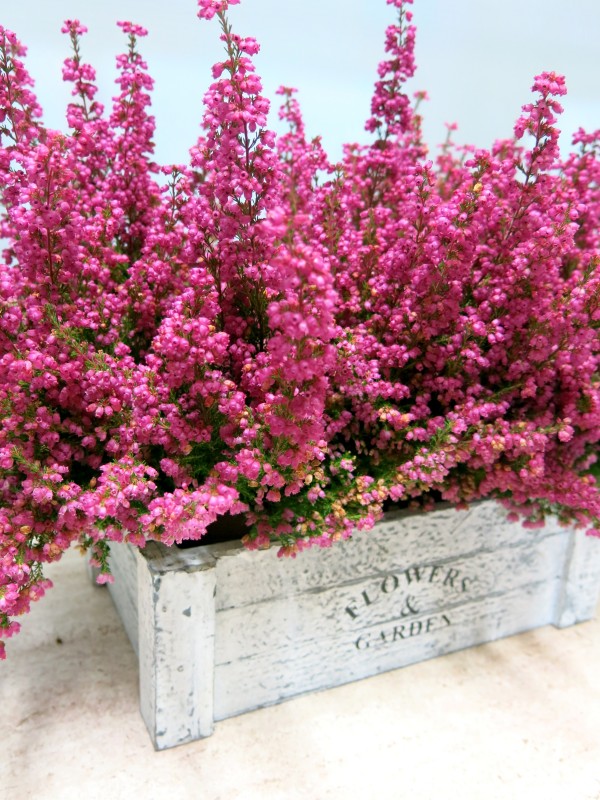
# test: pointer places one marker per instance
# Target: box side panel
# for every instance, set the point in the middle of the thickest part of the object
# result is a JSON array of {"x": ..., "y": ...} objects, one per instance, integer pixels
[
  {"x": 432, "y": 603},
  {"x": 124, "y": 590}
]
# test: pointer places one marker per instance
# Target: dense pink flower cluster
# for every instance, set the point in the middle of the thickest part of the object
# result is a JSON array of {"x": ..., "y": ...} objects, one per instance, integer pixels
[{"x": 264, "y": 332}]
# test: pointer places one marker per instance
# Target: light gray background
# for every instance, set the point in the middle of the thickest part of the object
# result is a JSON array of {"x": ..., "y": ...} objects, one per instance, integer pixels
[{"x": 476, "y": 59}]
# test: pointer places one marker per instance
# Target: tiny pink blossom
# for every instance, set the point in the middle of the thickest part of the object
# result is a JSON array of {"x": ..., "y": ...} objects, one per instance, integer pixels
[{"x": 208, "y": 8}]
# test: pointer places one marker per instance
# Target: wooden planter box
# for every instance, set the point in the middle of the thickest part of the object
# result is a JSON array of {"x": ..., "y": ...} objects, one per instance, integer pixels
[{"x": 219, "y": 630}]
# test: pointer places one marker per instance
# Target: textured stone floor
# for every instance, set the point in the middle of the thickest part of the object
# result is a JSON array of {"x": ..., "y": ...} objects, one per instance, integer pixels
[{"x": 514, "y": 719}]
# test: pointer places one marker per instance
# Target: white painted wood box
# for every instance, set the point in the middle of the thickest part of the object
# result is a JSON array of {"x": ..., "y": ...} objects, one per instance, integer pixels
[{"x": 219, "y": 630}]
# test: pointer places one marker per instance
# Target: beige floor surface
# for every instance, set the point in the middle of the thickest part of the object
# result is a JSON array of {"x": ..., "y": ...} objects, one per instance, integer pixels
[{"x": 516, "y": 719}]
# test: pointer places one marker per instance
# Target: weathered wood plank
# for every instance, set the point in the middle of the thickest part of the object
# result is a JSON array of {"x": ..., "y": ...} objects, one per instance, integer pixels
[
  {"x": 578, "y": 596},
  {"x": 247, "y": 577},
  {"x": 176, "y": 651},
  {"x": 124, "y": 590}
]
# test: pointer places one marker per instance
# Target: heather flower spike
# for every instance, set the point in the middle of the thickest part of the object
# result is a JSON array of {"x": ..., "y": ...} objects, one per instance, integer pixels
[{"x": 262, "y": 332}]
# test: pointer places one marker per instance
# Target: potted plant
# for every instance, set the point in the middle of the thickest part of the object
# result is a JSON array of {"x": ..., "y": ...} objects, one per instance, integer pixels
[{"x": 263, "y": 335}]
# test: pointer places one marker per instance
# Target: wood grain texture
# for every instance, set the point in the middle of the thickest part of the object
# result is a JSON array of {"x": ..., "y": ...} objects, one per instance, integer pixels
[
  {"x": 176, "y": 619},
  {"x": 222, "y": 630},
  {"x": 399, "y": 541},
  {"x": 124, "y": 590},
  {"x": 578, "y": 594}
]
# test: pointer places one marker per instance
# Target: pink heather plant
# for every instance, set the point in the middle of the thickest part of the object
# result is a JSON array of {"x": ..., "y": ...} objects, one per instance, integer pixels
[{"x": 263, "y": 332}]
